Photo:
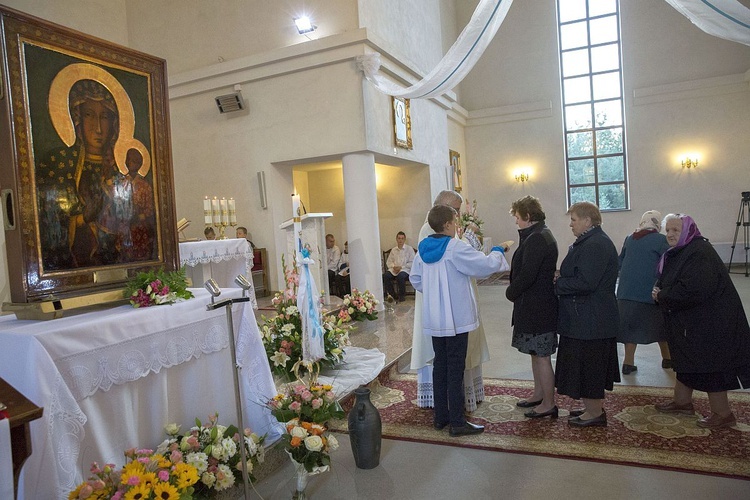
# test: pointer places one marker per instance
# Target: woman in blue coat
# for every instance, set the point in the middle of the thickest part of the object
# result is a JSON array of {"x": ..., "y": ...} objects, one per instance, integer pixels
[{"x": 588, "y": 324}]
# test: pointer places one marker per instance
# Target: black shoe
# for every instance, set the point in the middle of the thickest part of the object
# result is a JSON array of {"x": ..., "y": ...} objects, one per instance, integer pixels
[
  {"x": 666, "y": 364},
  {"x": 600, "y": 421},
  {"x": 628, "y": 369},
  {"x": 576, "y": 413},
  {"x": 549, "y": 413},
  {"x": 528, "y": 404},
  {"x": 466, "y": 430},
  {"x": 440, "y": 426}
]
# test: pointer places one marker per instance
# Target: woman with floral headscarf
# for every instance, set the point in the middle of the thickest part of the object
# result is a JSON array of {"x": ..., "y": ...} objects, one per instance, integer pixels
[
  {"x": 641, "y": 321},
  {"x": 707, "y": 329}
]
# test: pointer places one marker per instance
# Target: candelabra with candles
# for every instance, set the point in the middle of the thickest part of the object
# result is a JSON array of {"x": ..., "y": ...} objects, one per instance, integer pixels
[{"x": 219, "y": 213}]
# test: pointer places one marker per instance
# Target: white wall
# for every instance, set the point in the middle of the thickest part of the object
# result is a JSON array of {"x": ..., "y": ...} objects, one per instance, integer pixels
[{"x": 684, "y": 91}]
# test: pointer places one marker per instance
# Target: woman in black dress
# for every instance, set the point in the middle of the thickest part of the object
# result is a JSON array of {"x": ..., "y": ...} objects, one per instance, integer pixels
[
  {"x": 707, "y": 329},
  {"x": 588, "y": 324}
]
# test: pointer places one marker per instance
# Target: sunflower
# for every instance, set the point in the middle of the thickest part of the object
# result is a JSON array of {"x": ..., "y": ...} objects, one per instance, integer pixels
[
  {"x": 139, "y": 492},
  {"x": 165, "y": 491}
]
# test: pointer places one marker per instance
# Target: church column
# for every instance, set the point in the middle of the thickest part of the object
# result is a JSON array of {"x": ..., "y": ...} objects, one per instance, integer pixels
[{"x": 362, "y": 229}]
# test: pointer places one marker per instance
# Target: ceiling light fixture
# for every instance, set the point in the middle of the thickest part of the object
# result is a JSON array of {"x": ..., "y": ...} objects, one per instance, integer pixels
[{"x": 304, "y": 25}]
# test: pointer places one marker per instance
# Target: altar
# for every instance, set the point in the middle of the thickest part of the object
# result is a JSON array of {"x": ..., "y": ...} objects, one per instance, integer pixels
[
  {"x": 112, "y": 379},
  {"x": 221, "y": 260}
]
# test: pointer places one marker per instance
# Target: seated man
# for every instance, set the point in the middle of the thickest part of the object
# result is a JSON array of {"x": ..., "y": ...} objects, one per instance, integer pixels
[
  {"x": 333, "y": 256},
  {"x": 209, "y": 233},
  {"x": 398, "y": 267},
  {"x": 241, "y": 232},
  {"x": 343, "y": 275}
]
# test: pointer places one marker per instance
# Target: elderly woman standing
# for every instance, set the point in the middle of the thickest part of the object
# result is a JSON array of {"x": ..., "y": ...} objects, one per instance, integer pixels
[
  {"x": 532, "y": 292},
  {"x": 707, "y": 329},
  {"x": 588, "y": 322},
  {"x": 641, "y": 321}
]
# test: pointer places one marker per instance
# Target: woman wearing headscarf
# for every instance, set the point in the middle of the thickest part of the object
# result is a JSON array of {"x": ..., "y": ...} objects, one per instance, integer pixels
[
  {"x": 587, "y": 355},
  {"x": 707, "y": 328},
  {"x": 641, "y": 321},
  {"x": 532, "y": 292}
]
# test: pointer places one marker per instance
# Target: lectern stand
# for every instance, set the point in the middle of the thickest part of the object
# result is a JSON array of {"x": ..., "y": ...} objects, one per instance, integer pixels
[{"x": 313, "y": 234}]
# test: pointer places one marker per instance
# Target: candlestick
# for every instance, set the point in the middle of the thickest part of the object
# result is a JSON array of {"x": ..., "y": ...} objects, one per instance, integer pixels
[
  {"x": 207, "y": 211},
  {"x": 232, "y": 212},
  {"x": 297, "y": 222},
  {"x": 215, "y": 211},
  {"x": 224, "y": 212}
]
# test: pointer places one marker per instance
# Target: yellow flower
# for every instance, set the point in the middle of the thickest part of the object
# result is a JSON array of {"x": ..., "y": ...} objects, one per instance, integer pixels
[
  {"x": 165, "y": 491},
  {"x": 133, "y": 468},
  {"x": 139, "y": 492},
  {"x": 187, "y": 475},
  {"x": 150, "y": 479}
]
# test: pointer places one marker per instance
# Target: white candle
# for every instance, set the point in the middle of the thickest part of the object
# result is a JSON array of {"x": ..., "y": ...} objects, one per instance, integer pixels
[
  {"x": 207, "y": 211},
  {"x": 215, "y": 211},
  {"x": 297, "y": 223},
  {"x": 232, "y": 212},
  {"x": 224, "y": 211}
]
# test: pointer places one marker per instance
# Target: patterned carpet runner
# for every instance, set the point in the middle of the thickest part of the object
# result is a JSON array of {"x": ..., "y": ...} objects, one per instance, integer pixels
[{"x": 636, "y": 433}]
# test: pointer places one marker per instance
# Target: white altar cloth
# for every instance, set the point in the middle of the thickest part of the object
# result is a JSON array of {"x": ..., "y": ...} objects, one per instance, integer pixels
[
  {"x": 110, "y": 380},
  {"x": 221, "y": 260}
]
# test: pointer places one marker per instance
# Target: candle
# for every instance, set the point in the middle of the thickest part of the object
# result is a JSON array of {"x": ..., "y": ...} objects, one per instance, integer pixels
[
  {"x": 232, "y": 212},
  {"x": 207, "y": 211},
  {"x": 215, "y": 212},
  {"x": 224, "y": 211},
  {"x": 297, "y": 222}
]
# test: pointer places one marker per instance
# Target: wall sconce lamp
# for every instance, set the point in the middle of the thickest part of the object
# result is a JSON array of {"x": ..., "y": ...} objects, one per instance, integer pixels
[
  {"x": 304, "y": 25},
  {"x": 690, "y": 163},
  {"x": 522, "y": 176}
]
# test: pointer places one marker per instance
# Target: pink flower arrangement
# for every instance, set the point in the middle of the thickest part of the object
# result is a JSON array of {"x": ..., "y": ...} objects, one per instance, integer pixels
[
  {"x": 359, "y": 306},
  {"x": 156, "y": 288}
]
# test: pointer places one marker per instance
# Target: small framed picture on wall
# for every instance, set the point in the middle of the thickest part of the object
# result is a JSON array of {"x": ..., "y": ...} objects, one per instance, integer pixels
[
  {"x": 402, "y": 122},
  {"x": 455, "y": 160}
]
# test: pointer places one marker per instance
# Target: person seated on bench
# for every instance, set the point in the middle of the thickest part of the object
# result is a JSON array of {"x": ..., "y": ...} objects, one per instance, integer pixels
[{"x": 398, "y": 267}]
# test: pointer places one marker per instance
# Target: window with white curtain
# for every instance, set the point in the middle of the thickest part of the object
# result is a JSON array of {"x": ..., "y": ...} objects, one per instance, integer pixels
[{"x": 593, "y": 114}]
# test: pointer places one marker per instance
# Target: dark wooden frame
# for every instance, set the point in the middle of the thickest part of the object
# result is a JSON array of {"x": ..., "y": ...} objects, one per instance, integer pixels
[{"x": 142, "y": 79}]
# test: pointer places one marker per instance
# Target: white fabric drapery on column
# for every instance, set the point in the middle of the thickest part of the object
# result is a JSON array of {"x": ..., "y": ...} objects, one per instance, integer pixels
[
  {"x": 456, "y": 63},
  {"x": 726, "y": 19}
]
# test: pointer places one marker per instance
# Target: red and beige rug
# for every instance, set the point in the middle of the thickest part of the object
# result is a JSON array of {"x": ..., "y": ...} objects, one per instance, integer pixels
[{"x": 636, "y": 435}]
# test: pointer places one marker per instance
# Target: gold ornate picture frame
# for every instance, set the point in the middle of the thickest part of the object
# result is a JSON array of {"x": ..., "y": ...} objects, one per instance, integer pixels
[
  {"x": 85, "y": 162},
  {"x": 455, "y": 162},
  {"x": 402, "y": 122}
]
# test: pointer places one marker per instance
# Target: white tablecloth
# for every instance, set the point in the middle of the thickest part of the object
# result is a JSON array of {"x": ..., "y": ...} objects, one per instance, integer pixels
[
  {"x": 110, "y": 380},
  {"x": 221, "y": 260}
]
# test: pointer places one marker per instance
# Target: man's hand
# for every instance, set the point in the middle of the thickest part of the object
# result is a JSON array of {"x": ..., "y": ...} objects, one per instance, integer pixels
[{"x": 396, "y": 269}]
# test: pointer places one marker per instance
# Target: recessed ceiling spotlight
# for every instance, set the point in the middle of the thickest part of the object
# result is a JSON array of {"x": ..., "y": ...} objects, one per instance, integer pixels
[{"x": 304, "y": 25}]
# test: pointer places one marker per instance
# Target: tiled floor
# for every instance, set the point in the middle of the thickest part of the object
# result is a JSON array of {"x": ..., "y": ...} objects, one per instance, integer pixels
[{"x": 421, "y": 471}]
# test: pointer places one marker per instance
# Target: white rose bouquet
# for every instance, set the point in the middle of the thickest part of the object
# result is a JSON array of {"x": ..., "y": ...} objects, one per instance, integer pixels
[
  {"x": 359, "y": 306},
  {"x": 213, "y": 449},
  {"x": 304, "y": 409}
]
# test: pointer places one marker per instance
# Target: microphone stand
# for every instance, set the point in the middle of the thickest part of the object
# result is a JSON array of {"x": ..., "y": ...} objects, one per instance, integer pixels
[{"x": 213, "y": 289}]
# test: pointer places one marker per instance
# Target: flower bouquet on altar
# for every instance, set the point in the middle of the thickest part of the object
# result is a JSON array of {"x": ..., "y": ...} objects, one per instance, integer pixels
[
  {"x": 470, "y": 219},
  {"x": 359, "y": 306},
  {"x": 213, "y": 450},
  {"x": 304, "y": 409},
  {"x": 145, "y": 476},
  {"x": 157, "y": 288},
  {"x": 282, "y": 334}
]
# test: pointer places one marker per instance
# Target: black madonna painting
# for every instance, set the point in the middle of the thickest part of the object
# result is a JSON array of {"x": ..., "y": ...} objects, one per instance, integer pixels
[{"x": 93, "y": 202}]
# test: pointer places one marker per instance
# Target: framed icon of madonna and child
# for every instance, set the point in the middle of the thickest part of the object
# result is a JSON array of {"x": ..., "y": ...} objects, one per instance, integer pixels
[{"x": 85, "y": 162}]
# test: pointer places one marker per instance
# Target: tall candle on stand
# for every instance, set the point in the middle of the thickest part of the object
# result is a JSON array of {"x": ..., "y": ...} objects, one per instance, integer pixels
[
  {"x": 215, "y": 211},
  {"x": 297, "y": 222},
  {"x": 207, "y": 211},
  {"x": 232, "y": 212},
  {"x": 224, "y": 212}
]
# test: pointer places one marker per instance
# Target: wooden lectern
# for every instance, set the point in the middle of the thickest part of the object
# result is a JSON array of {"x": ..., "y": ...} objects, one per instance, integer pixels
[
  {"x": 313, "y": 234},
  {"x": 21, "y": 412}
]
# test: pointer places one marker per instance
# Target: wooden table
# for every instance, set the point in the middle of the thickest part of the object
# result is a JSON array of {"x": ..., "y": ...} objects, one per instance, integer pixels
[{"x": 21, "y": 412}]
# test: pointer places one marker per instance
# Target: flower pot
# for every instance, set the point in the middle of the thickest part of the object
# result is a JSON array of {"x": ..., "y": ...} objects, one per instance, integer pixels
[{"x": 365, "y": 430}]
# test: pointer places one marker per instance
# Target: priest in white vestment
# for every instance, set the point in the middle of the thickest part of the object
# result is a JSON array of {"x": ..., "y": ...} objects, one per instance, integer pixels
[{"x": 422, "y": 353}]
